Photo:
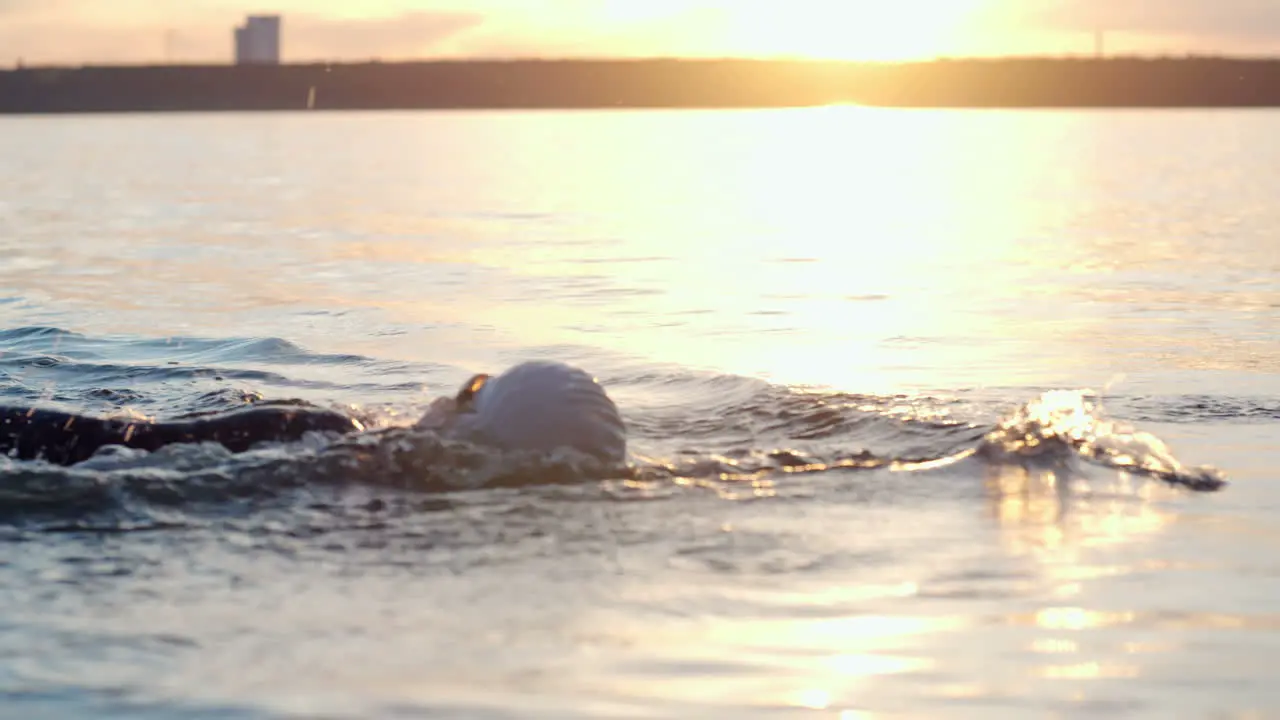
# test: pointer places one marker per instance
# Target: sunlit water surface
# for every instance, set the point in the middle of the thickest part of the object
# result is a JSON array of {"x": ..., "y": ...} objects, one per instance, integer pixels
[{"x": 926, "y": 413}]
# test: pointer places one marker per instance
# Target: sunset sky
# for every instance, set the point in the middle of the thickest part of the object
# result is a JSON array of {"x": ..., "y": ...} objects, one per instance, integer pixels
[{"x": 97, "y": 31}]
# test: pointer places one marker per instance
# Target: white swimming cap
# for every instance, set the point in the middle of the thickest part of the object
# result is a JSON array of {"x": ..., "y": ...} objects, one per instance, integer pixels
[{"x": 544, "y": 405}]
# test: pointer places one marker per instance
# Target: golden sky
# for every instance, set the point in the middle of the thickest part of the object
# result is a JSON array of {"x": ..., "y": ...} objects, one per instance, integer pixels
[{"x": 79, "y": 31}]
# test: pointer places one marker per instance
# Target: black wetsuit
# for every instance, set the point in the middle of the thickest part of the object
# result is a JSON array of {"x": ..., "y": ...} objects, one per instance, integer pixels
[{"x": 65, "y": 438}]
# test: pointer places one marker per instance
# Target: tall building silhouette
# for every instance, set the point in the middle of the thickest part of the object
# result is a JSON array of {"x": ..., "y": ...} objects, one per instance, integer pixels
[{"x": 258, "y": 40}]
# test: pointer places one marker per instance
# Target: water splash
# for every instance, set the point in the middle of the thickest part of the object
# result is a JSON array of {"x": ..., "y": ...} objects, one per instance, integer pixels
[{"x": 1072, "y": 422}]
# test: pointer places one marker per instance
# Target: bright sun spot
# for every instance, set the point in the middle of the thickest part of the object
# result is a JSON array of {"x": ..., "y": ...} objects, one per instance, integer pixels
[
  {"x": 850, "y": 29},
  {"x": 818, "y": 29}
]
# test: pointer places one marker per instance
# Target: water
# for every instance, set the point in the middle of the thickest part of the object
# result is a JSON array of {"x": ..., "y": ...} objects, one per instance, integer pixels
[{"x": 928, "y": 410}]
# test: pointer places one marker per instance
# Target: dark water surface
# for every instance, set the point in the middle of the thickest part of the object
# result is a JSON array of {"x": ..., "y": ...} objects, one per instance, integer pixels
[{"x": 930, "y": 414}]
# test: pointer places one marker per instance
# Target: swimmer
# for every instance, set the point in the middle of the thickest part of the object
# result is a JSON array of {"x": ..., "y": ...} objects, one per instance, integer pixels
[{"x": 537, "y": 405}]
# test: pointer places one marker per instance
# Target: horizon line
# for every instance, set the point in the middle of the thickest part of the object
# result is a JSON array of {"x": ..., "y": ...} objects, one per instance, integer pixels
[{"x": 778, "y": 59}]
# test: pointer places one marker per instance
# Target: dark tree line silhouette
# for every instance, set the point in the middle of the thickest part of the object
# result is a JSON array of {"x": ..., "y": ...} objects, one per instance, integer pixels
[{"x": 730, "y": 83}]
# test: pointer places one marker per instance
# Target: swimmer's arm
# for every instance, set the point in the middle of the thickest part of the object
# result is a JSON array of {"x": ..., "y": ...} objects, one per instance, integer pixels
[
  {"x": 439, "y": 415},
  {"x": 240, "y": 429},
  {"x": 64, "y": 438}
]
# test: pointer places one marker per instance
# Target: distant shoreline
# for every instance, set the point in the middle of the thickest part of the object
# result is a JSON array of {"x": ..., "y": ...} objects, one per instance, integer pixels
[{"x": 1117, "y": 82}]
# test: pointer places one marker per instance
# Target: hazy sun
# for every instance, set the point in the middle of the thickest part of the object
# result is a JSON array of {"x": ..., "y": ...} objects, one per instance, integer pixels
[
  {"x": 825, "y": 29},
  {"x": 851, "y": 29}
]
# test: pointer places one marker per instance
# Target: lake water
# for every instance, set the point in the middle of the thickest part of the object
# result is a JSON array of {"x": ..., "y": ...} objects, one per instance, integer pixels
[{"x": 927, "y": 410}]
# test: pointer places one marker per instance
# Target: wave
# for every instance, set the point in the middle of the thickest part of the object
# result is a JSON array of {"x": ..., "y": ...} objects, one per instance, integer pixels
[
  {"x": 58, "y": 342},
  {"x": 686, "y": 429},
  {"x": 830, "y": 433},
  {"x": 176, "y": 375},
  {"x": 1059, "y": 428},
  {"x": 1200, "y": 408}
]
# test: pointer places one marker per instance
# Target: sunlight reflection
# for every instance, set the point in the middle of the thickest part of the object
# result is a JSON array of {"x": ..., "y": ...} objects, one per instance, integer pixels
[
  {"x": 1054, "y": 646},
  {"x": 1044, "y": 518},
  {"x": 827, "y": 255},
  {"x": 1074, "y": 618},
  {"x": 1088, "y": 671},
  {"x": 1043, "y": 515},
  {"x": 1029, "y": 506},
  {"x": 842, "y": 632},
  {"x": 813, "y": 699},
  {"x": 869, "y": 665},
  {"x": 856, "y": 248},
  {"x": 840, "y": 247},
  {"x": 820, "y": 664}
]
